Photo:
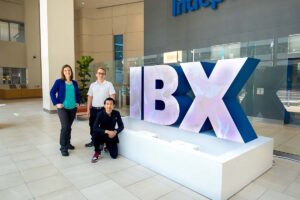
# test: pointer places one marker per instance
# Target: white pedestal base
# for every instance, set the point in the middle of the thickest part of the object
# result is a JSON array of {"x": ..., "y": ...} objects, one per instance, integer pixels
[{"x": 210, "y": 166}]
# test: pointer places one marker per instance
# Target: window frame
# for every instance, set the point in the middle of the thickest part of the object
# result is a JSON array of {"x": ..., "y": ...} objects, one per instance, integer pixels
[{"x": 9, "y": 22}]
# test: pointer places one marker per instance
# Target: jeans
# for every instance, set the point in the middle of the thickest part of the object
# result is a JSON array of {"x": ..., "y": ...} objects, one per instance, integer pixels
[
  {"x": 66, "y": 117},
  {"x": 99, "y": 139},
  {"x": 92, "y": 119}
]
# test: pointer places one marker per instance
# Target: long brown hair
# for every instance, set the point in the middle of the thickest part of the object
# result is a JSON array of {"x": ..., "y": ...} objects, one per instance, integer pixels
[{"x": 62, "y": 72}]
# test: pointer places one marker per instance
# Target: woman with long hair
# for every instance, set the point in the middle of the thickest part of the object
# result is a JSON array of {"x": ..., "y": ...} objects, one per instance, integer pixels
[{"x": 66, "y": 97}]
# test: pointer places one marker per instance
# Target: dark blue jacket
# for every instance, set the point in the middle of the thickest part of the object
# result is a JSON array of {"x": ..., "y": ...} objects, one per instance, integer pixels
[
  {"x": 104, "y": 122},
  {"x": 59, "y": 87}
]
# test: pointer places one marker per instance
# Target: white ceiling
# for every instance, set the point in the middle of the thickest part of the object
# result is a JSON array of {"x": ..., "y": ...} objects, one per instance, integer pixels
[{"x": 101, "y": 3}]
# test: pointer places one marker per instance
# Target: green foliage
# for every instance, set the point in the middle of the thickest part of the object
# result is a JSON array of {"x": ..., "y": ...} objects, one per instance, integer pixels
[{"x": 84, "y": 73}]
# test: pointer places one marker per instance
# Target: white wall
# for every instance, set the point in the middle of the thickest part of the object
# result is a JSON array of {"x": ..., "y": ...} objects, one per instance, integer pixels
[{"x": 57, "y": 42}]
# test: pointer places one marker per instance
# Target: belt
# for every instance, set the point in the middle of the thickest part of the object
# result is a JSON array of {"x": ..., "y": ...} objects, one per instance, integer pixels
[{"x": 97, "y": 108}]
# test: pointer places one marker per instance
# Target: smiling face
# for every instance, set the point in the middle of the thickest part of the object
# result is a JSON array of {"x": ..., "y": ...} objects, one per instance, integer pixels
[
  {"x": 67, "y": 73},
  {"x": 109, "y": 106}
]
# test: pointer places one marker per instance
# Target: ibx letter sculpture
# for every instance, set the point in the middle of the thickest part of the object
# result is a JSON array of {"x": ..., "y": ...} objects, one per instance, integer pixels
[{"x": 161, "y": 94}]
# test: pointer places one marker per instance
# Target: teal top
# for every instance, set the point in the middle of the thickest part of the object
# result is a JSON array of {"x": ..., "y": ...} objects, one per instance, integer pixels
[{"x": 70, "y": 101}]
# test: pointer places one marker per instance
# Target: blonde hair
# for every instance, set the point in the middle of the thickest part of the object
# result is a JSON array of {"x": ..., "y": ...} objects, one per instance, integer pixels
[{"x": 102, "y": 68}]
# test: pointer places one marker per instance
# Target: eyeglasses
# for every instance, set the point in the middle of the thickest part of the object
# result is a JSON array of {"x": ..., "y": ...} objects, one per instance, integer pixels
[{"x": 100, "y": 73}]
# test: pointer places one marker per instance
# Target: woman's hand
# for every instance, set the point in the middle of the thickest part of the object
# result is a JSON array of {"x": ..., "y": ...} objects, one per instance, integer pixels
[{"x": 59, "y": 105}]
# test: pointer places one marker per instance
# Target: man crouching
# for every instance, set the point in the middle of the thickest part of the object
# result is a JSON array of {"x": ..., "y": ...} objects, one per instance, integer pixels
[{"x": 104, "y": 130}]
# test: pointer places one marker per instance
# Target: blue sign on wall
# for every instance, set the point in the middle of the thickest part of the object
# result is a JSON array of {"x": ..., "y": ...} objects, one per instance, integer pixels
[{"x": 184, "y": 6}]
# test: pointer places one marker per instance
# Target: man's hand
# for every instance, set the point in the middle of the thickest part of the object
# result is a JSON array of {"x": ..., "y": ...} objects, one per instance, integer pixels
[
  {"x": 111, "y": 134},
  {"x": 59, "y": 105},
  {"x": 88, "y": 111}
]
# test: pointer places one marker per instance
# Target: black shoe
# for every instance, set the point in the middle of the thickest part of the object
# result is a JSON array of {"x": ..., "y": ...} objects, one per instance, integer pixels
[
  {"x": 64, "y": 153},
  {"x": 89, "y": 144},
  {"x": 71, "y": 147}
]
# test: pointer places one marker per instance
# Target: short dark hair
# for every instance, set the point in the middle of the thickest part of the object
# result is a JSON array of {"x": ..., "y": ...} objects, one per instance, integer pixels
[
  {"x": 110, "y": 99},
  {"x": 62, "y": 72}
]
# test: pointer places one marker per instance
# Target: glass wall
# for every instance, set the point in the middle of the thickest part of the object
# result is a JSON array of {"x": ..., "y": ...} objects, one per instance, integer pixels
[
  {"x": 270, "y": 98},
  {"x": 4, "y": 31},
  {"x": 16, "y": 32},
  {"x": 13, "y": 77},
  {"x": 118, "y": 55}
]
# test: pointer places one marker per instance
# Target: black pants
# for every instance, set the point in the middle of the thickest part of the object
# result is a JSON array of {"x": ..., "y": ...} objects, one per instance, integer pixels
[
  {"x": 100, "y": 139},
  {"x": 93, "y": 115},
  {"x": 66, "y": 117}
]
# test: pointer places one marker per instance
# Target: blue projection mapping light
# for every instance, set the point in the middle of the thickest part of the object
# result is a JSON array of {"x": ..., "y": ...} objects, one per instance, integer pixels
[
  {"x": 159, "y": 94},
  {"x": 184, "y": 6}
]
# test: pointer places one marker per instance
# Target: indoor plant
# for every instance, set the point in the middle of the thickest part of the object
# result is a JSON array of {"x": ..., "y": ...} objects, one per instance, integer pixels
[
  {"x": 84, "y": 80},
  {"x": 84, "y": 76}
]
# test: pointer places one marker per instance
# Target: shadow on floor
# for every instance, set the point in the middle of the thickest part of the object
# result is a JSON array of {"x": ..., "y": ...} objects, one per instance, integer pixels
[
  {"x": 288, "y": 156},
  {"x": 4, "y": 126}
]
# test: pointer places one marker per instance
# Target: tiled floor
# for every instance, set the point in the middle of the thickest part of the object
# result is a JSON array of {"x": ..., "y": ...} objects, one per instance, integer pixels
[
  {"x": 286, "y": 137},
  {"x": 31, "y": 166}
]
